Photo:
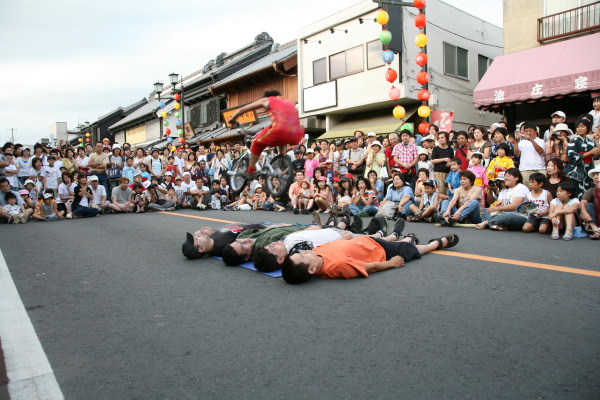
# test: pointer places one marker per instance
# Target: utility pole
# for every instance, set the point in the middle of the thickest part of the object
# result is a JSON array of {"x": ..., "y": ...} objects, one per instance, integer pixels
[{"x": 12, "y": 134}]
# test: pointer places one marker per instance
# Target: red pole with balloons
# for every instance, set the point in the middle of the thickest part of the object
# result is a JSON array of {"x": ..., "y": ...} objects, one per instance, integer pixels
[{"x": 422, "y": 77}]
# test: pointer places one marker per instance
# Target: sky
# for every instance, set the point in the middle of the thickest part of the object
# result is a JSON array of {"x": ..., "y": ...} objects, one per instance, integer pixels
[{"x": 73, "y": 61}]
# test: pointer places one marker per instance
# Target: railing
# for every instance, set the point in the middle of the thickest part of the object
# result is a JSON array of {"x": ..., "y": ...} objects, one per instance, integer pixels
[{"x": 569, "y": 23}]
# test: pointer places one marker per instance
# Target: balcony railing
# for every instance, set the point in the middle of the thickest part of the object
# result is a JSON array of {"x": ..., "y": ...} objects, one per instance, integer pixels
[{"x": 569, "y": 23}]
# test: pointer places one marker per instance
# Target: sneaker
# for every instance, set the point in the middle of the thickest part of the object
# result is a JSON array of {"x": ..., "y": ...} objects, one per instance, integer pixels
[
  {"x": 383, "y": 230},
  {"x": 399, "y": 227},
  {"x": 199, "y": 206},
  {"x": 24, "y": 219},
  {"x": 296, "y": 211},
  {"x": 363, "y": 214},
  {"x": 345, "y": 211},
  {"x": 317, "y": 218},
  {"x": 15, "y": 219},
  {"x": 374, "y": 225},
  {"x": 357, "y": 225},
  {"x": 305, "y": 211},
  {"x": 203, "y": 206},
  {"x": 171, "y": 209}
]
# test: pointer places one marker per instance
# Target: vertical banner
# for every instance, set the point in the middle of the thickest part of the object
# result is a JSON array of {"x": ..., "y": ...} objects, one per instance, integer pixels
[{"x": 443, "y": 119}]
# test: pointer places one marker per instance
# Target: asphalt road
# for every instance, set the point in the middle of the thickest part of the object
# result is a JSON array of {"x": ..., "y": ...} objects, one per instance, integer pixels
[{"x": 121, "y": 314}]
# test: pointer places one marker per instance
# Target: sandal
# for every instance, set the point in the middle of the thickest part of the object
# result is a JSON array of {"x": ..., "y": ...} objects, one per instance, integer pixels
[
  {"x": 413, "y": 238},
  {"x": 451, "y": 239},
  {"x": 412, "y": 218},
  {"x": 482, "y": 225},
  {"x": 498, "y": 228},
  {"x": 555, "y": 235},
  {"x": 595, "y": 235},
  {"x": 568, "y": 236}
]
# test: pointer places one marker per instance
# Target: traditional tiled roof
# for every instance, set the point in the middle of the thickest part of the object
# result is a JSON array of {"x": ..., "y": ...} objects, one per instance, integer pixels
[{"x": 141, "y": 112}]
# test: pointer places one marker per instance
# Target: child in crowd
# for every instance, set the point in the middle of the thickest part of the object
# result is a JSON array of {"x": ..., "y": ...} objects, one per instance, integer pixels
[
  {"x": 33, "y": 191},
  {"x": 16, "y": 213},
  {"x": 218, "y": 196},
  {"x": 47, "y": 209},
  {"x": 225, "y": 187},
  {"x": 305, "y": 197},
  {"x": 129, "y": 169},
  {"x": 329, "y": 172},
  {"x": 66, "y": 194},
  {"x": 258, "y": 198},
  {"x": 453, "y": 179},
  {"x": 542, "y": 198},
  {"x": 425, "y": 161},
  {"x": 323, "y": 196},
  {"x": 172, "y": 196},
  {"x": 137, "y": 198},
  {"x": 51, "y": 175},
  {"x": 563, "y": 209},
  {"x": 310, "y": 164},
  {"x": 423, "y": 175},
  {"x": 480, "y": 172},
  {"x": 144, "y": 171},
  {"x": 501, "y": 163},
  {"x": 172, "y": 167},
  {"x": 429, "y": 203},
  {"x": 376, "y": 184},
  {"x": 11, "y": 172},
  {"x": 28, "y": 204},
  {"x": 180, "y": 190}
]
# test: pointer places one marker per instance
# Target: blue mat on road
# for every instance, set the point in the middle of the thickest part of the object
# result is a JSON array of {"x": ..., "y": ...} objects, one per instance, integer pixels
[{"x": 250, "y": 265}]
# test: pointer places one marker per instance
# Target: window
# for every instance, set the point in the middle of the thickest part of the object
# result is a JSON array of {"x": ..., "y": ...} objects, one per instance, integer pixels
[
  {"x": 319, "y": 71},
  {"x": 346, "y": 63},
  {"x": 456, "y": 61},
  {"x": 374, "y": 51},
  {"x": 483, "y": 63}
]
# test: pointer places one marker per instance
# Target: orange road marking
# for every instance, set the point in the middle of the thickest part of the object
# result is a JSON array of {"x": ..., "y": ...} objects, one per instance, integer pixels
[
  {"x": 522, "y": 263},
  {"x": 454, "y": 254}
]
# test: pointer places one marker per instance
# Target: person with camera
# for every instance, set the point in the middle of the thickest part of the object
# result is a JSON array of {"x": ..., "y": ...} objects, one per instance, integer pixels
[
  {"x": 556, "y": 146},
  {"x": 531, "y": 150}
]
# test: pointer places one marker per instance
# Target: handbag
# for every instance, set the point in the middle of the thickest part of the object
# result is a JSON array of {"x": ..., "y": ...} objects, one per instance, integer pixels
[{"x": 114, "y": 173}]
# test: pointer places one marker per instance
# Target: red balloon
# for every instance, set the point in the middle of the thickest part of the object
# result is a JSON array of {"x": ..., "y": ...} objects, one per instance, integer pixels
[
  {"x": 424, "y": 127},
  {"x": 420, "y": 4},
  {"x": 421, "y": 59},
  {"x": 177, "y": 97},
  {"x": 422, "y": 77},
  {"x": 421, "y": 21},
  {"x": 391, "y": 75},
  {"x": 182, "y": 140},
  {"x": 168, "y": 131},
  {"x": 424, "y": 95}
]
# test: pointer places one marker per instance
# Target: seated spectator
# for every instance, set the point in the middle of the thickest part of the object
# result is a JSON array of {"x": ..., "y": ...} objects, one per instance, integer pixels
[
  {"x": 480, "y": 172},
  {"x": 46, "y": 209},
  {"x": 558, "y": 142},
  {"x": 275, "y": 203},
  {"x": 138, "y": 200},
  {"x": 465, "y": 204},
  {"x": 590, "y": 205},
  {"x": 428, "y": 204},
  {"x": 453, "y": 179},
  {"x": 156, "y": 199},
  {"x": 422, "y": 177},
  {"x": 501, "y": 163},
  {"x": 398, "y": 199},
  {"x": 15, "y": 214},
  {"x": 362, "y": 256},
  {"x": 323, "y": 196},
  {"x": 555, "y": 174},
  {"x": 581, "y": 152},
  {"x": 121, "y": 197},
  {"x": 305, "y": 197},
  {"x": 376, "y": 184},
  {"x": 218, "y": 196},
  {"x": 258, "y": 198},
  {"x": 200, "y": 197},
  {"x": 502, "y": 215},
  {"x": 364, "y": 200},
  {"x": 27, "y": 203},
  {"x": 294, "y": 190},
  {"x": 538, "y": 219},
  {"x": 563, "y": 210},
  {"x": 83, "y": 197},
  {"x": 66, "y": 194},
  {"x": 99, "y": 193}
]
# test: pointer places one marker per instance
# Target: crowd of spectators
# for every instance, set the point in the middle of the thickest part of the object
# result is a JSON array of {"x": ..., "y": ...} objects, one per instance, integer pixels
[{"x": 479, "y": 176}]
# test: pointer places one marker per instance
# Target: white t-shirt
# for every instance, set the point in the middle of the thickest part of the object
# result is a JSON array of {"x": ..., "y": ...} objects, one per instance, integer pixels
[
  {"x": 596, "y": 123},
  {"x": 530, "y": 158},
  {"x": 541, "y": 202},
  {"x": 62, "y": 191},
  {"x": 58, "y": 164},
  {"x": 12, "y": 179},
  {"x": 180, "y": 162},
  {"x": 99, "y": 193},
  {"x": 51, "y": 174},
  {"x": 83, "y": 162},
  {"x": 506, "y": 195},
  {"x": 316, "y": 237},
  {"x": 572, "y": 202}
]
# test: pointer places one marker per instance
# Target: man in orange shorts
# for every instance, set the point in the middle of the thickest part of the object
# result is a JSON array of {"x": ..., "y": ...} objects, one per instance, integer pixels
[{"x": 284, "y": 130}]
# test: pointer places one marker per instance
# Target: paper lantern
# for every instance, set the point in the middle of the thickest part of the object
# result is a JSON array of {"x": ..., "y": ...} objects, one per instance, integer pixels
[
  {"x": 166, "y": 122},
  {"x": 88, "y": 140},
  {"x": 421, "y": 40},
  {"x": 180, "y": 131},
  {"x": 179, "y": 122},
  {"x": 424, "y": 111},
  {"x": 421, "y": 59},
  {"x": 420, "y": 4},
  {"x": 391, "y": 75},
  {"x": 424, "y": 95},
  {"x": 173, "y": 148},
  {"x": 399, "y": 112},
  {"x": 80, "y": 140},
  {"x": 387, "y": 56},
  {"x": 394, "y": 93},
  {"x": 383, "y": 17},
  {"x": 177, "y": 97},
  {"x": 181, "y": 140},
  {"x": 178, "y": 114},
  {"x": 168, "y": 131},
  {"x": 424, "y": 127},
  {"x": 87, "y": 134},
  {"x": 177, "y": 106},
  {"x": 385, "y": 37},
  {"x": 423, "y": 77},
  {"x": 421, "y": 21},
  {"x": 162, "y": 105},
  {"x": 170, "y": 139}
]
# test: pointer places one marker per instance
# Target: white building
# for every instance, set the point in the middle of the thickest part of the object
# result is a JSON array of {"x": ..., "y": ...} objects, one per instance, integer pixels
[{"x": 342, "y": 75}]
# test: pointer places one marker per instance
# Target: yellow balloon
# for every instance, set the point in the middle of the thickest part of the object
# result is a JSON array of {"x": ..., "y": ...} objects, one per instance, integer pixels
[
  {"x": 421, "y": 40},
  {"x": 164, "y": 114},
  {"x": 177, "y": 106},
  {"x": 399, "y": 112},
  {"x": 383, "y": 17},
  {"x": 424, "y": 111}
]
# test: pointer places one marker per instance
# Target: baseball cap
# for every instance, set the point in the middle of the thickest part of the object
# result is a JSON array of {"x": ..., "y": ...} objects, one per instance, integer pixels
[
  {"x": 29, "y": 181},
  {"x": 297, "y": 151},
  {"x": 48, "y": 195},
  {"x": 328, "y": 161},
  {"x": 500, "y": 176},
  {"x": 168, "y": 173},
  {"x": 339, "y": 143},
  {"x": 24, "y": 191},
  {"x": 371, "y": 134},
  {"x": 310, "y": 150},
  {"x": 116, "y": 146},
  {"x": 431, "y": 182},
  {"x": 321, "y": 178},
  {"x": 186, "y": 173},
  {"x": 353, "y": 139},
  {"x": 178, "y": 178},
  {"x": 137, "y": 173},
  {"x": 188, "y": 249},
  {"x": 423, "y": 151},
  {"x": 562, "y": 127},
  {"x": 376, "y": 143},
  {"x": 93, "y": 178},
  {"x": 258, "y": 186},
  {"x": 429, "y": 137},
  {"x": 559, "y": 113}
]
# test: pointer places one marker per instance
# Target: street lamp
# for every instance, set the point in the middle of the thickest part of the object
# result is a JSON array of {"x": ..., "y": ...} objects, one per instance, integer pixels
[{"x": 158, "y": 88}]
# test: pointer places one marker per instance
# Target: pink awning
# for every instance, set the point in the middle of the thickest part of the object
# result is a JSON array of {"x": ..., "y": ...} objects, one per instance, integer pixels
[{"x": 561, "y": 68}]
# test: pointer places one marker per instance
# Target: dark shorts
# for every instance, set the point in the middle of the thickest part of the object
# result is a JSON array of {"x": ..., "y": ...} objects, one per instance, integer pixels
[
  {"x": 537, "y": 221},
  {"x": 61, "y": 207},
  {"x": 405, "y": 250}
]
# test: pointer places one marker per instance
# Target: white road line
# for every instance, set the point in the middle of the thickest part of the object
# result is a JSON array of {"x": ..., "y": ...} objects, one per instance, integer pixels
[{"x": 29, "y": 373}]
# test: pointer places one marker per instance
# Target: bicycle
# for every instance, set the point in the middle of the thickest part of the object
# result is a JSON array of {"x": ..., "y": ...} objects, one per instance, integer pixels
[{"x": 279, "y": 174}]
